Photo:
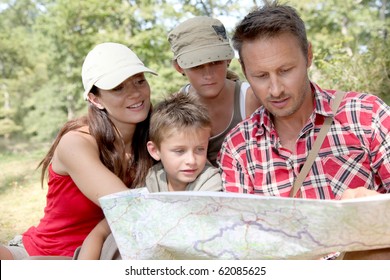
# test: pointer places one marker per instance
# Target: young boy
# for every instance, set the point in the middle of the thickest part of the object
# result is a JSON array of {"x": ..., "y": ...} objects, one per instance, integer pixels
[{"x": 179, "y": 132}]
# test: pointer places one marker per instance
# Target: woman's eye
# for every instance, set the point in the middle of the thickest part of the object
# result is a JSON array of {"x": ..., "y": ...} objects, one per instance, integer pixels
[
  {"x": 141, "y": 82},
  {"x": 118, "y": 88}
]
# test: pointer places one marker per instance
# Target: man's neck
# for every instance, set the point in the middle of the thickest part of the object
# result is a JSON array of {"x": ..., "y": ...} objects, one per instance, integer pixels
[{"x": 290, "y": 127}]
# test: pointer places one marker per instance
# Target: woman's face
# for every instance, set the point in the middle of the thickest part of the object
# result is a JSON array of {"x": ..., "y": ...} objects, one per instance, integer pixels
[
  {"x": 208, "y": 79},
  {"x": 128, "y": 103}
]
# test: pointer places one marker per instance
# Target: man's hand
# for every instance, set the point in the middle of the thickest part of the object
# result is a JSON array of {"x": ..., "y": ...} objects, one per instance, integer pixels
[
  {"x": 379, "y": 254},
  {"x": 358, "y": 192}
]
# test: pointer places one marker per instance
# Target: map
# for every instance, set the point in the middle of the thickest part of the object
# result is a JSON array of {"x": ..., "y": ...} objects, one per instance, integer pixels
[{"x": 211, "y": 225}]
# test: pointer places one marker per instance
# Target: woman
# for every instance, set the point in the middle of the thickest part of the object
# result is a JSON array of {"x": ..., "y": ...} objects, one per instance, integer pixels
[
  {"x": 99, "y": 154},
  {"x": 202, "y": 53}
]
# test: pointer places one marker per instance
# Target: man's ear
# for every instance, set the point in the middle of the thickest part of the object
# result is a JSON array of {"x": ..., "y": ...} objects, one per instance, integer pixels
[
  {"x": 95, "y": 101},
  {"x": 309, "y": 55},
  {"x": 153, "y": 150}
]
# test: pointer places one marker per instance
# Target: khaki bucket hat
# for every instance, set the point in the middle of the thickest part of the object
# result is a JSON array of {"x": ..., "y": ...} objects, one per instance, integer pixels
[{"x": 200, "y": 40}]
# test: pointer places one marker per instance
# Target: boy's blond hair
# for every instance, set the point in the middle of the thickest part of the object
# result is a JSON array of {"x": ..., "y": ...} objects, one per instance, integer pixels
[{"x": 177, "y": 112}]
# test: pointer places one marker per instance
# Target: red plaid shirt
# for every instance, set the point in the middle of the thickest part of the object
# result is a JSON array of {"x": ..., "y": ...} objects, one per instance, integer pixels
[{"x": 355, "y": 152}]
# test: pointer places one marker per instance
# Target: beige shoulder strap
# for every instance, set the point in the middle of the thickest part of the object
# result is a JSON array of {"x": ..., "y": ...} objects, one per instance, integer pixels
[{"x": 316, "y": 146}]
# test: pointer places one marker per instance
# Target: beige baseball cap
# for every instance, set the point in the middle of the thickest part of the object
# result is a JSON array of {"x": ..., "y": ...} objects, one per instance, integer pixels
[
  {"x": 200, "y": 40},
  {"x": 109, "y": 64}
]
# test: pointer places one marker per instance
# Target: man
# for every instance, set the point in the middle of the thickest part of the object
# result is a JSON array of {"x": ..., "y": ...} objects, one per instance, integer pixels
[{"x": 264, "y": 154}]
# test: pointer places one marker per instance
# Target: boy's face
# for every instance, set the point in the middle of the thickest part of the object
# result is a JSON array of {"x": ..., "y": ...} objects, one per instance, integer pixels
[
  {"x": 207, "y": 79},
  {"x": 183, "y": 154}
]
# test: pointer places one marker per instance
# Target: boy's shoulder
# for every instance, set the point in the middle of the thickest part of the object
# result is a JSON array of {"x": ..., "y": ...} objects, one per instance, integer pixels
[{"x": 208, "y": 180}]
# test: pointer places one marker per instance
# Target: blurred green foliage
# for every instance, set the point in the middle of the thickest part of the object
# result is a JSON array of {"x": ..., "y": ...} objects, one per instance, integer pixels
[{"x": 43, "y": 44}]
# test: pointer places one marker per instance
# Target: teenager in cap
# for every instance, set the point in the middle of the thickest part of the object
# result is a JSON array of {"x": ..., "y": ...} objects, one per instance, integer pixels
[{"x": 202, "y": 53}]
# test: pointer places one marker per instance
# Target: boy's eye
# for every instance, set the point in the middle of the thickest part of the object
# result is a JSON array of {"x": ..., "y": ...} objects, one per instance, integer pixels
[
  {"x": 217, "y": 62},
  {"x": 201, "y": 149},
  {"x": 197, "y": 67}
]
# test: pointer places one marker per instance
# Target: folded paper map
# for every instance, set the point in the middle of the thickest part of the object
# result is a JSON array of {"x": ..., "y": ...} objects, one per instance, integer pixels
[{"x": 210, "y": 225}]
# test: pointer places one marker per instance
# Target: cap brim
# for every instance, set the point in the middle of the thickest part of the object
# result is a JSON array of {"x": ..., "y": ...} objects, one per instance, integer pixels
[
  {"x": 114, "y": 79},
  {"x": 205, "y": 55}
]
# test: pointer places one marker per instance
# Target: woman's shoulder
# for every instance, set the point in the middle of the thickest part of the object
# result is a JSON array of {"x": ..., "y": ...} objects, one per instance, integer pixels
[
  {"x": 73, "y": 146},
  {"x": 77, "y": 135},
  {"x": 77, "y": 140}
]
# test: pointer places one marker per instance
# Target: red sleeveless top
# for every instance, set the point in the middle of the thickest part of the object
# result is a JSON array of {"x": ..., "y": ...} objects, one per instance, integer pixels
[{"x": 69, "y": 217}]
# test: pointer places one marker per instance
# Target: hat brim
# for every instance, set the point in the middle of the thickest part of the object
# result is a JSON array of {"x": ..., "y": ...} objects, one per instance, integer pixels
[
  {"x": 115, "y": 78},
  {"x": 205, "y": 55}
]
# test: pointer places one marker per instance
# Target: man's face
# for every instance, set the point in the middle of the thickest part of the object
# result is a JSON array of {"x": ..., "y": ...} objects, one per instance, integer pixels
[{"x": 276, "y": 69}]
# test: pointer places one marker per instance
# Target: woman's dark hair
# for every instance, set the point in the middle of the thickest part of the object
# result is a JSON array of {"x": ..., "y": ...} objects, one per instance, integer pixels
[{"x": 111, "y": 146}]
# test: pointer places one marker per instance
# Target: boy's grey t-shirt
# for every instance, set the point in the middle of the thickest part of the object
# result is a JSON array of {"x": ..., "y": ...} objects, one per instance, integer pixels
[{"x": 208, "y": 180}]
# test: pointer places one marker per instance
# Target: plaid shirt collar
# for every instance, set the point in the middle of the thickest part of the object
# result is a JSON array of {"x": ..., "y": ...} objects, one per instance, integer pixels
[{"x": 322, "y": 107}]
